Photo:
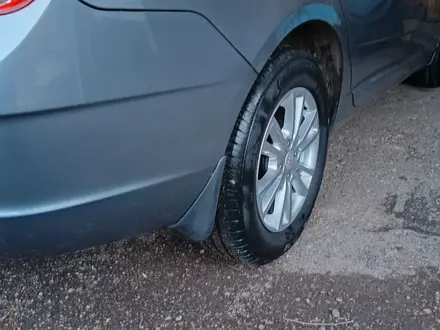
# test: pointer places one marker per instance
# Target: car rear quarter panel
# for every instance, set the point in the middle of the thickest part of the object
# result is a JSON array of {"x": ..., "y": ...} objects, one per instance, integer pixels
[
  {"x": 256, "y": 27},
  {"x": 100, "y": 104}
]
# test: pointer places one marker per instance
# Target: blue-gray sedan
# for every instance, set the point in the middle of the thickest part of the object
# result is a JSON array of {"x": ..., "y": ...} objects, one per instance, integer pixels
[{"x": 211, "y": 118}]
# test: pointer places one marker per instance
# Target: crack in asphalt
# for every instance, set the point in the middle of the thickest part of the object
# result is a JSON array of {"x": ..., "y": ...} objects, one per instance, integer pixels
[{"x": 414, "y": 229}]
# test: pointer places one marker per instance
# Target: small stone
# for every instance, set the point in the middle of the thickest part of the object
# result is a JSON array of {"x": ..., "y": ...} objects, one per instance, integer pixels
[
  {"x": 335, "y": 313},
  {"x": 297, "y": 299},
  {"x": 245, "y": 294},
  {"x": 71, "y": 290},
  {"x": 202, "y": 251},
  {"x": 261, "y": 327},
  {"x": 322, "y": 327},
  {"x": 157, "y": 328},
  {"x": 40, "y": 294},
  {"x": 339, "y": 300},
  {"x": 168, "y": 318},
  {"x": 308, "y": 300},
  {"x": 179, "y": 318},
  {"x": 408, "y": 297},
  {"x": 427, "y": 311}
]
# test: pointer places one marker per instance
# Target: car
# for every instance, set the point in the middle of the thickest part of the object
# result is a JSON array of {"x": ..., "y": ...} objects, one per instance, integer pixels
[{"x": 209, "y": 118}]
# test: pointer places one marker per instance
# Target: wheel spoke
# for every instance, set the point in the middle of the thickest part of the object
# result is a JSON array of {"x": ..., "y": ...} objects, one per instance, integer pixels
[
  {"x": 299, "y": 185},
  {"x": 287, "y": 206},
  {"x": 276, "y": 218},
  {"x": 271, "y": 151},
  {"x": 306, "y": 126},
  {"x": 288, "y": 103},
  {"x": 306, "y": 170},
  {"x": 299, "y": 108},
  {"x": 308, "y": 140},
  {"x": 275, "y": 133},
  {"x": 268, "y": 187},
  {"x": 309, "y": 102}
]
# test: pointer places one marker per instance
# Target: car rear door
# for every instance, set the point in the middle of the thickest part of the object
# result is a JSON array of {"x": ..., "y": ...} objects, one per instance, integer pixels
[{"x": 376, "y": 33}]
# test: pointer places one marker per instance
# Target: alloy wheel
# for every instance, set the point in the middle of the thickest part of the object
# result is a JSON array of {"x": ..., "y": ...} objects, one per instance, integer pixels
[{"x": 287, "y": 159}]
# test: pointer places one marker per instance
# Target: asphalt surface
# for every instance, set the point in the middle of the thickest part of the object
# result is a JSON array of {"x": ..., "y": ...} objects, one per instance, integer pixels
[{"x": 368, "y": 259}]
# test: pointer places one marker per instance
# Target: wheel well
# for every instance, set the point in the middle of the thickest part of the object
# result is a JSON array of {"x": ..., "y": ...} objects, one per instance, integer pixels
[{"x": 320, "y": 40}]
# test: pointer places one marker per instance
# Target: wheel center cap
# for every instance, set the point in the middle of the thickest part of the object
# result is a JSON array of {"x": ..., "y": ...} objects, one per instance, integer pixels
[{"x": 290, "y": 161}]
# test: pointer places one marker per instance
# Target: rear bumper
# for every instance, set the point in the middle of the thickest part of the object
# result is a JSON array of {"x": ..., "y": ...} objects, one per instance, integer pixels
[
  {"x": 84, "y": 225},
  {"x": 125, "y": 215},
  {"x": 111, "y": 123}
]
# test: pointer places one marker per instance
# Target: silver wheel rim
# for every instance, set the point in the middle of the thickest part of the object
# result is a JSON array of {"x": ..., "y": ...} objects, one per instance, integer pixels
[{"x": 287, "y": 159}]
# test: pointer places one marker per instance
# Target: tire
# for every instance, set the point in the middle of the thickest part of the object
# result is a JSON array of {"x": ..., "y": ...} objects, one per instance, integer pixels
[
  {"x": 428, "y": 77},
  {"x": 239, "y": 233}
]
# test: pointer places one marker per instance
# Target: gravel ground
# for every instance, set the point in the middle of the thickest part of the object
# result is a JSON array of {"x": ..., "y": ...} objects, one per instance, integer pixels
[{"x": 368, "y": 259}]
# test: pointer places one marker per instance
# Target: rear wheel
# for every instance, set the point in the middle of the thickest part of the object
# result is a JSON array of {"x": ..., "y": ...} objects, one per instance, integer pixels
[
  {"x": 428, "y": 77},
  {"x": 275, "y": 161}
]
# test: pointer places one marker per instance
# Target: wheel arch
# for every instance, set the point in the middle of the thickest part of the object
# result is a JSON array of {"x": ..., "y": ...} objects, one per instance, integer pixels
[{"x": 319, "y": 29}]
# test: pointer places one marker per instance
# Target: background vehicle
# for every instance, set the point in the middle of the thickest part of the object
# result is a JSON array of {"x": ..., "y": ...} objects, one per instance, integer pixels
[{"x": 120, "y": 117}]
